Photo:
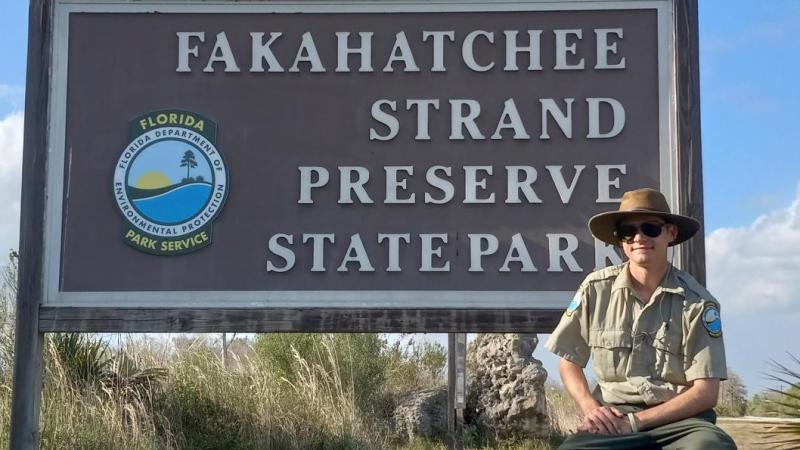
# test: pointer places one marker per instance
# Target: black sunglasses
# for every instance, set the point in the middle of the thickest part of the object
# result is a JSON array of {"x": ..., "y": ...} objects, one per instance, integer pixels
[{"x": 626, "y": 233}]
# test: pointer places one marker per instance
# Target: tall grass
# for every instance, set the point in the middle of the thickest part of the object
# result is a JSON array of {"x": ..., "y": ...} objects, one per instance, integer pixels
[
  {"x": 200, "y": 405},
  {"x": 87, "y": 413},
  {"x": 565, "y": 415},
  {"x": 5, "y": 409},
  {"x": 205, "y": 406},
  {"x": 256, "y": 408},
  {"x": 8, "y": 295}
]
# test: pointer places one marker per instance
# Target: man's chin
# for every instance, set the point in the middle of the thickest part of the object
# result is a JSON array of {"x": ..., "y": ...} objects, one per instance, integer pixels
[{"x": 642, "y": 259}]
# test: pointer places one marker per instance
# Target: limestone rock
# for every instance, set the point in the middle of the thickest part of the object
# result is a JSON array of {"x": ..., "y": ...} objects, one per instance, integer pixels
[
  {"x": 422, "y": 414},
  {"x": 506, "y": 385}
]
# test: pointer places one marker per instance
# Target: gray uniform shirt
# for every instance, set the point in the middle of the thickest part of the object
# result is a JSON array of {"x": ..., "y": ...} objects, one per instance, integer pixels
[{"x": 643, "y": 352}]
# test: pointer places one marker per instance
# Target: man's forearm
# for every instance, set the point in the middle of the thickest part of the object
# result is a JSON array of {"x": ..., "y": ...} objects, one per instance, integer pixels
[
  {"x": 576, "y": 385},
  {"x": 701, "y": 396},
  {"x": 596, "y": 418}
]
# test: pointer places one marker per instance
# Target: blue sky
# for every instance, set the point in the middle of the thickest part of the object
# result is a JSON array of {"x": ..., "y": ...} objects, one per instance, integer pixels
[
  {"x": 14, "y": 23},
  {"x": 749, "y": 95},
  {"x": 750, "y": 98},
  {"x": 167, "y": 160}
]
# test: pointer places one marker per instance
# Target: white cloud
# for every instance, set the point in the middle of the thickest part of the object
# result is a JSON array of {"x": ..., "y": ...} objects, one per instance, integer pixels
[
  {"x": 10, "y": 179},
  {"x": 757, "y": 268}
]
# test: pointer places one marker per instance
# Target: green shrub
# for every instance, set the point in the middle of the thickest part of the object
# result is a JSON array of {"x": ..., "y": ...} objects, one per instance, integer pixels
[
  {"x": 761, "y": 404},
  {"x": 202, "y": 405},
  {"x": 204, "y": 422},
  {"x": 415, "y": 366},
  {"x": 275, "y": 351},
  {"x": 358, "y": 359}
]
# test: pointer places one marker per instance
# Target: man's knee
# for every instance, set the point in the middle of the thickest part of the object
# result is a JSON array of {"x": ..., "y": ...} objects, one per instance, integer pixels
[
  {"x": 581, "y": 441},
  {"x": 707, "y": 438},
  {"x": 588, "y": 441}
]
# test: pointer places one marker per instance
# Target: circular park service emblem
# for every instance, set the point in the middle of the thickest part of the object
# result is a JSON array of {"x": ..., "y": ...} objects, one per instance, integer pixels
[
  {"x": 170, "y": 182},
  {"x": 711, "y": 319}
]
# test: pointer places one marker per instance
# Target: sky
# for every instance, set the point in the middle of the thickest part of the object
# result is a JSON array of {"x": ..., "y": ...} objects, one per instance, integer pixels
[
  {"x": 167, "y": 155},
  {"x": 749, "y": 74}
]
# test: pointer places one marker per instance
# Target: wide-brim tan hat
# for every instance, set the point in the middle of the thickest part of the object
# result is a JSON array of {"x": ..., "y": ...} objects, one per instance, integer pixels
[{"x": 641, "y": 201}]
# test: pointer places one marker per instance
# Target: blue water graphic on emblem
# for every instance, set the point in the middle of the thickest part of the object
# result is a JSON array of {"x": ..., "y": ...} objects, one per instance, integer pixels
[
  {"x": 176, "y": 205},
  {"x": 712, "y": 320}
]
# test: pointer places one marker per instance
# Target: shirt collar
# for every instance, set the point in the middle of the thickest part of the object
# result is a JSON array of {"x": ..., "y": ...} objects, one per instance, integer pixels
[
  {"x": 623, "y": 280},
  {"x": 670, "y": 284}
]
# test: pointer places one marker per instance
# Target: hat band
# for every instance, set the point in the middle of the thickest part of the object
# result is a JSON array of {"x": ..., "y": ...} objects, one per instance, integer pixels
[{"x": 647, "y": 210}]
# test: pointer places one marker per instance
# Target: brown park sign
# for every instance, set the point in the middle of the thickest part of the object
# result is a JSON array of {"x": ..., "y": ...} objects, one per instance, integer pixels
[{"x": 358, "y": 155}]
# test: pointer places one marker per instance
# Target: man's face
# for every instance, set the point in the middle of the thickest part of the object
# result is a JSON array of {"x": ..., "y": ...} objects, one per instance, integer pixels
[{"x": 644, "y": 250}]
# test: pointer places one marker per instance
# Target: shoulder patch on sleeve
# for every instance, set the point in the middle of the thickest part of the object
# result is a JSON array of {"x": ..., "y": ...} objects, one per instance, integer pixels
[
  {"x": 711, "y": 319},
  {"x": 575, "y": 303}
]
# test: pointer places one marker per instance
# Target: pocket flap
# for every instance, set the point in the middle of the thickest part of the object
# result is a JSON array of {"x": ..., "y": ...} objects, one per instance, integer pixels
[
  {"x": 610, "y": 338},
  {"x": 668, "y": 341}
]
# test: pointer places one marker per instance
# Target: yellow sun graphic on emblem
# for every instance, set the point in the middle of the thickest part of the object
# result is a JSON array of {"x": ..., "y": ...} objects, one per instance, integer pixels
[{"x": 153, "y": 180}]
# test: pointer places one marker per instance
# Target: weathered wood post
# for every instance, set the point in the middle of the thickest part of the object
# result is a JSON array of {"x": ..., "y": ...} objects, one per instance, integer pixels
[
  {"x": 456, "y": 389},
  {"x": 690, "y": 161},
  {"x": 27, "y": 386}
]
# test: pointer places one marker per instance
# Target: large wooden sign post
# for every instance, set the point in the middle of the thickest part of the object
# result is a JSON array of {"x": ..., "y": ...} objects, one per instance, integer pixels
[{"x": 349, "y": 166}]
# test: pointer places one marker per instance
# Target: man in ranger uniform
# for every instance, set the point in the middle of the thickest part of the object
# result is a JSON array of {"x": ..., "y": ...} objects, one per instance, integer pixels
[{"x": 654, "y": 335}]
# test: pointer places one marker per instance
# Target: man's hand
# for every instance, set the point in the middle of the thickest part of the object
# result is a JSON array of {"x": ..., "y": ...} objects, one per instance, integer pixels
[
  {"x": 596, "y": 417},
  {"x": 605, "y": 420}
]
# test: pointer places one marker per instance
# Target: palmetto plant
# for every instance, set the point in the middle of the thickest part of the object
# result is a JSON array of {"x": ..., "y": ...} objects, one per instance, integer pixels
[
  {"x": 786, "y": 435},
  {"x": 127, "y": 379},
  {"x": 88, "y": 362},
  {"x": 84, "y": 361}
]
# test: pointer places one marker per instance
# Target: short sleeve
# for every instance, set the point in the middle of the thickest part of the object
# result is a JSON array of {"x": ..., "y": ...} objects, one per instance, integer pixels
[
  {"x": 704, "y": 348},
  {"x": 570, "y": 338}
]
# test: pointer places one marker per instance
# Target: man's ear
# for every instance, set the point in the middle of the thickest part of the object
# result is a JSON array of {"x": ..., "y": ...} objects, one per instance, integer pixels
[{"x": 673, "y": 230}]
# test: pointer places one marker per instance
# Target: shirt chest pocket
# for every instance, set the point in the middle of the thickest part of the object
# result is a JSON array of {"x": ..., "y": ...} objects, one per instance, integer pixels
[
  {"x": 669, "y": 355},
  {"x": 611, "y": 350}
]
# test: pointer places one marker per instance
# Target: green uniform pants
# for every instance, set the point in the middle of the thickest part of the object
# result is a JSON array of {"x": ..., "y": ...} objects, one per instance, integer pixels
[{"x": 694, "y": 433}]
